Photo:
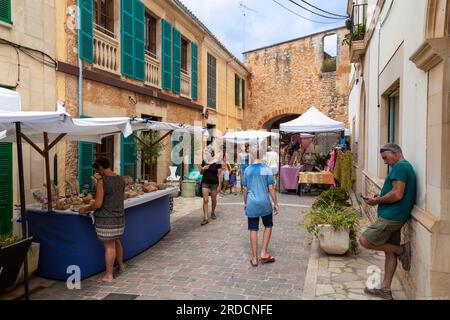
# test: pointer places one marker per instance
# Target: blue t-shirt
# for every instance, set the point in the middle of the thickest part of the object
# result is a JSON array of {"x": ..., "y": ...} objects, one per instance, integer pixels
[{"x": 257, "y": 178}]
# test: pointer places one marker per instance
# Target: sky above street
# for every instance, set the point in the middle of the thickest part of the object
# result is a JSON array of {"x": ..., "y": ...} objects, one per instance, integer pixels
[{"x": 265, "y": 22}]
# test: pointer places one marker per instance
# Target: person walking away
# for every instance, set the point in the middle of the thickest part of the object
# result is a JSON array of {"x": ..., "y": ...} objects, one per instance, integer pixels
[
  {"x": 109, "y": 214},
  {"x": 258, "y": 183},
  {"x": 243, "y": 161},
  {"x": 395, "y": 202},
  {"x": 271, "y": 159},
  {"x": 211, "y": 182}
]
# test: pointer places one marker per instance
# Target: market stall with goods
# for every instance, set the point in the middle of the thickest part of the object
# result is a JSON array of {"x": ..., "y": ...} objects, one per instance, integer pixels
[
  {"x": 66, "y": 237},
  {"x": 314, "y": 151}
]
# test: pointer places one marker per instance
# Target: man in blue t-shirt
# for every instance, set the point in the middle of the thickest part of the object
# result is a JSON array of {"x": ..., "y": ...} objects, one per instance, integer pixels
[
  {"x": 395, "y": 202},
  {"x": 258, "y": 184}
]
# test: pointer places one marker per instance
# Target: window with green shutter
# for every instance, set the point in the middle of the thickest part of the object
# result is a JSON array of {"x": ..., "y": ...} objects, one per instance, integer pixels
[
  {"x": 211, "y": 81},
  {"x": 237, "y": 90},
  {"x": 194, "y": 71},
  {"x": 139, "y": 40},
  {"x": 86, "y": 31},
  {"x": 133, "y": 39},
  {"x": 176, "y": 74},
  {"x": 166, "y": 61},
  {"x": 128, "y": 161},
  {"x": 5, "y": 11},
  {"x": 85, "y": 161},
  {"x": 243, "y": 93},
  {"x": 6, "y": 191}
]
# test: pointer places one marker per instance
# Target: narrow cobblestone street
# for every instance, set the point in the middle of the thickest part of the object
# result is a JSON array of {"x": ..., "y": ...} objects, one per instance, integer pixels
[{"x": 209, "y": 262}]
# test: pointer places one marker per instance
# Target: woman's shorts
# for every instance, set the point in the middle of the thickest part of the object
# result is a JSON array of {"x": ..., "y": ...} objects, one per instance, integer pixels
[{"x": 212, "y": 187}]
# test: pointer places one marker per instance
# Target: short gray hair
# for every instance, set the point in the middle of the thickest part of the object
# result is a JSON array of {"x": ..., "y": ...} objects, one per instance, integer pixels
[{"x": 392, "y": 147}]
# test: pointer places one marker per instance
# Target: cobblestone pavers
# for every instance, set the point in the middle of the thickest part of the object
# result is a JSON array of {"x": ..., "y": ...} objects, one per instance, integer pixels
[{"x": 209, "y": 262}]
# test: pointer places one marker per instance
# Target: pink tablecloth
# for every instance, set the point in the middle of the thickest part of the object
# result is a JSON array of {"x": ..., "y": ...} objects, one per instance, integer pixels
[{"x": 288, "y": 178}]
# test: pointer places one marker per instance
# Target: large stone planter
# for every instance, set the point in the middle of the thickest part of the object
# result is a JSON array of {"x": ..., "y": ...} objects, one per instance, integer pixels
[
  {"x": 333, "y": 242},
  {"x": 11, "y": 260}
]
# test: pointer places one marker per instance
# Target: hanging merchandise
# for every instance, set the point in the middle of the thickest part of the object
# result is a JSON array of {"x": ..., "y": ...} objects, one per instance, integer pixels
[{"x": 343, "y": 170}]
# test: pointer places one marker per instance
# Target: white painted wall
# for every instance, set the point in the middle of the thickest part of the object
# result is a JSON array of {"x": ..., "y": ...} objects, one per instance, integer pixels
[{"x": 405, "y": 24}]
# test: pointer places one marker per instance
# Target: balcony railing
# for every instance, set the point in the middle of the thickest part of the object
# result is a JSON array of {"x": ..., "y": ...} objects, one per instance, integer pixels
[
  {"x": 357, "y": 26},
  {"x": 185, "y": 85},
  {"x": 106, "y": 52},
  {"x": 152, "y": 73}
]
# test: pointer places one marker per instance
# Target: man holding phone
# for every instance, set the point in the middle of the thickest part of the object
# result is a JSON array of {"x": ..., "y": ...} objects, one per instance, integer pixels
[
  {"x": 395, "y": 202},
  {"x": 258, "y": 187}
]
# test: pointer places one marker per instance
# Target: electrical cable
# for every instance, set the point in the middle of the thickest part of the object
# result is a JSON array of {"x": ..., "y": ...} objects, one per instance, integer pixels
[
  {"x": 333, "y": 14},
  {"x": 318, "y": 14},
  {"x": 321, "y": 22},
  {"x": 42, "y": 57}
]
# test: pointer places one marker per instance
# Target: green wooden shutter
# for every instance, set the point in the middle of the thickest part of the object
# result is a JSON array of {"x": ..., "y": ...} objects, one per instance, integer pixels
[
  {"x": 178, "y": 171},
  {"x": 176, "y": 74},
  {"x": 86, "y": 31},
  {"x": 139, "y": 40},
  {"x": 194, "y": 71},
  {"x": 85, "y": 161},
  {"x": 166, "y": 55},
  {"x": 236, "y": 90},
  {"x": 6, "y": 192},
  {"x": 127, "y": 38},
  {"x": 128, "y": 161},
  {"x": 391, "y": 136},
  {"x": 5, "y": 11},
  {"x": 243, "y": 93}
]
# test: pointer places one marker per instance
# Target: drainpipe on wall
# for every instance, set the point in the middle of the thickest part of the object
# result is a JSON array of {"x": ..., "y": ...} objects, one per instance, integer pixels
[
  {"x": 80, "y": 76},
  {"x": 226, "y": 94}
]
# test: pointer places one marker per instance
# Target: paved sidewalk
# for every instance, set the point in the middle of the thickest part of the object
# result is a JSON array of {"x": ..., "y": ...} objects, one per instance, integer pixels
[
  {"x": 208, "y": 262},
  {"x": 331, "y": 277}
]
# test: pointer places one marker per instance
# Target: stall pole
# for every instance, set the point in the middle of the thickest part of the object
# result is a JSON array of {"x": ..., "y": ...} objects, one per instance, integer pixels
[
  {"x": 47, "y": 173},
  {"x": 23, "y": 213}
]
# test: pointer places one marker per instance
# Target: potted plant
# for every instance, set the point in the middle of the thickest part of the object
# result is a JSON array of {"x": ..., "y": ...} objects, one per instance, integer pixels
[
  {"x": 333, "y": 222},
  {"x": 12, "y": 255}
]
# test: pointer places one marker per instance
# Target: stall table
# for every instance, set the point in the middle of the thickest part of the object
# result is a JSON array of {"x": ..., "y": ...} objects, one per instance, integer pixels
[
  {"x": 288, "y": 178},
  {"x": 324, "y": 177},
  {"x": 68, "y": 239}
]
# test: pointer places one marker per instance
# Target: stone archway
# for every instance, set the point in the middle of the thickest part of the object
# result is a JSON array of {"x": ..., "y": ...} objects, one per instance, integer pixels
[
  {"x": 270, "y": 118},
  {"x": 274, "y": 123}
]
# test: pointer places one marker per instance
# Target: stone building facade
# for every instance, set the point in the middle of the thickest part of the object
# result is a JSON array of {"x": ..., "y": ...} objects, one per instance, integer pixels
[
  {"x": 107, "y": 91},
  {"x": 288, "y": 78}
]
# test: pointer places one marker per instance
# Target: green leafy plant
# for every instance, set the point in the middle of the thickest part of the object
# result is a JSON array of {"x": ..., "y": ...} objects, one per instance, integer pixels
[
  {"x": 333, "y": 196},
  {"x": 340, "y": 218},
  {"x": 7, "y": 240},
  {"x": 357, "y": 34},
  {"x": 321, "y": 160},
  {"x": 148, "y": 154}
]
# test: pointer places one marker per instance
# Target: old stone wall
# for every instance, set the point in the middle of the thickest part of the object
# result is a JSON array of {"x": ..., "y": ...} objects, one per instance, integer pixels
[{"x": 287, "y": 79}]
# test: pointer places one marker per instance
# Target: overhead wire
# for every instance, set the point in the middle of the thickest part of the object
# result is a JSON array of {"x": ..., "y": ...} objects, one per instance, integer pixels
[
  {"x": 330, "y": 13},
  {"x": 318, "y": 14},
  {"x": 297, "y": 14}
]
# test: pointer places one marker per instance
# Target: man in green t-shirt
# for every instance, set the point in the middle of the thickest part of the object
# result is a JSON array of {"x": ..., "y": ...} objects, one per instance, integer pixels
[{"x": 395, "y": 202}]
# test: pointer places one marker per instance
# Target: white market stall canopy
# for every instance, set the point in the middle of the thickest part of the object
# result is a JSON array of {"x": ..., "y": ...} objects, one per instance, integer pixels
[
  {"x": 312, "y": 121},
  {"x": 250, "y": 135},
  {"x": 34, "y": 124}
]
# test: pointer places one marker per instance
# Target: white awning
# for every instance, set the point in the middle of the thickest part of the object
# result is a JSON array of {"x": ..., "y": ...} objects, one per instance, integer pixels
[
  {"x": 312, "y": 121},
  {"x": 34, "y": 124},
  {"x": 248, "y": 136}
]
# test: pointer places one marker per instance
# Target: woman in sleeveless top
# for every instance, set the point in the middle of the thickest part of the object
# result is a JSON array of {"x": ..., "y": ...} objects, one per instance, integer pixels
[{"x": 109, "y": 215}]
